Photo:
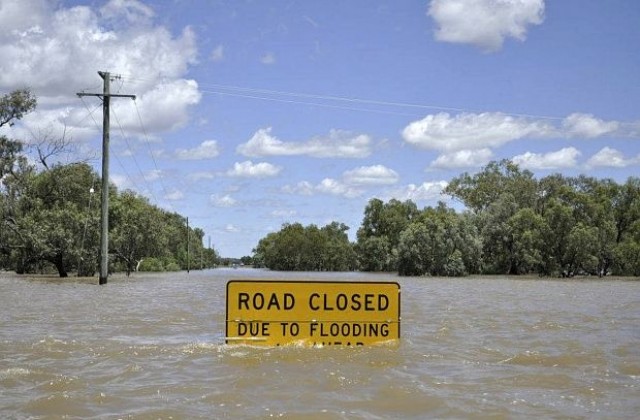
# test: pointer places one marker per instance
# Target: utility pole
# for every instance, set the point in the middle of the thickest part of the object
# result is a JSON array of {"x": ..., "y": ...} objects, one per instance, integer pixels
[
  {"x": 188, "y": 238},
  {"x": 104, "y": 215}
]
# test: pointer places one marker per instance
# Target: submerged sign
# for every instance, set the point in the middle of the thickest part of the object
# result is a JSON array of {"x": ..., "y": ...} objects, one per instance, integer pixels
[{"x": 312, "y": 313}]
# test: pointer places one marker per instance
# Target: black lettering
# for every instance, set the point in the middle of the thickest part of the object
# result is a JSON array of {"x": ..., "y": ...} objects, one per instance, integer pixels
[
  {"x": 311, "y": 304},
  {"x": 273, "y": 302},
  {"x": 289, "y": 301},
  {"x": 326, "y": 306},
  {"x": 355, "y": 302},
  {"x": 258, "y": 301},
  {"x": 243, "y": 299},
  {"x": 254, "y": 329},
  {"x": 312, "y": 328},
  {"x": 341, "y": 302},
  {"x": 368, "y": 302},
  {"x": 384, "y": 330},
  {"x": 383, "y": 302}
]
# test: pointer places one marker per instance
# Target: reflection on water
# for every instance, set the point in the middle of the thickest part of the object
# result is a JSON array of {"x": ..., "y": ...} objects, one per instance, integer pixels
[{"x": 151, "y": 346}]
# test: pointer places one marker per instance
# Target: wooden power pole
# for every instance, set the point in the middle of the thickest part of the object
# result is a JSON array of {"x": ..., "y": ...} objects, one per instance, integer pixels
[{"x": 106, "y": 96}]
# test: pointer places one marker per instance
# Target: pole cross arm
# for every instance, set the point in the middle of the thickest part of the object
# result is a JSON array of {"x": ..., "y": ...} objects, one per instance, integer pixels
[{"x": 102, "y": 95}]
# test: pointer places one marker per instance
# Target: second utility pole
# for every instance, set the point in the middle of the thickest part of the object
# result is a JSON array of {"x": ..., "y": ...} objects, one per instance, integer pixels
[{"x": 104, "y": 215}]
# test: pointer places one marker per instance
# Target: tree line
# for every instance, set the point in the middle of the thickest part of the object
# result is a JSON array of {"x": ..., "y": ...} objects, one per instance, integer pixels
[
  {"x": 50, "y": 215},
  {"x": 513, "y": 224}
]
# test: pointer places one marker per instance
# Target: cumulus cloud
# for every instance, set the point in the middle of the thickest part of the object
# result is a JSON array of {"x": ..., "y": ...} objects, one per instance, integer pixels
[
  {"x": 352, "y": 183},
  {"x": 121, "y": 38},
  {"x": 206, "y": 150},
  {"x": 468, "y": 136},
  {"x": 301, "y": 188},
  {"x": 268, "y": 59},
  {"x": 248, "y": 169},
  {"x": 222, "y": 200},
  {"x": 563, "y": 158},
  {"x": 153, "y": 175},
  {"x": 463, "y": 159},
  {"x": 217, "y": 54},
  {"x": 611, "y": 158},
  {"x": 586, "y": 125},
  {"x": 427, "y": 191},
  {"x": 371, "y": 175},
  {"x": 175, "y": 195},
  {"x": 338, "y": 144},
  {"x": 328, "y": 186},
  {"x": 484, "y": 23},
  {"x": 468, "y": 131}
]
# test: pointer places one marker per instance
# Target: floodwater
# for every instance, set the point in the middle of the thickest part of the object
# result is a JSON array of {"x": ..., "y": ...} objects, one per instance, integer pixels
[{"x": 152, "y": 346}]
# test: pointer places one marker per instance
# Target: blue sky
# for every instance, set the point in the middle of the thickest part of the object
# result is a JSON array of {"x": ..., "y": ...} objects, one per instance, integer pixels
[{"x": 250, "y": 114}]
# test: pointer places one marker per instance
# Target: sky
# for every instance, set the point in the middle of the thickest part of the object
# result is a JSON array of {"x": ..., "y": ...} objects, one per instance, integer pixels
[{"x": 251, "y": 114}]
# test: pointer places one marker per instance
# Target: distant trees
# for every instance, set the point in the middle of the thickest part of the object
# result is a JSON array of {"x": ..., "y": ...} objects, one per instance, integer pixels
[
  {"x": 306, "y": 248},
  {"x": 514, "y": 224},
  {"x": 50, "y": 217}
]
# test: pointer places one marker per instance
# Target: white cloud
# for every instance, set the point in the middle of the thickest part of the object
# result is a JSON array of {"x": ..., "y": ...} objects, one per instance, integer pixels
[
  {"x": 231, "y": 228},
  {"x": 153, "y": 175},
  {"x": 338, "y": 144},
  {"x": 222, "y": 200},
  {"x": 197, "y": 176},
  {"x": 268, "y": 58},
  {"x": 427, "y": 191},
  {"x": 301, "y": 188},
  {"x": 131, "y": 11},
  {"x": 248, "y": 169},
  {"x": 463, "y": 159},
  {"x": 468, "y": 131},
  {"x": 611, "y": 158},
  {"x": 283, "y": 213},
  {"x": 326, "y": 186},
  {"x": 352, "y": 183},
  {"x": 121, "y": 181},
  {"x": 335, "y": 187},
  {"x": 563, "y": 158},
  {"x": 217, "y": 54},
  {"x": 586, "y": 125},
  {"x": 121, "y": 38},
  {"x": 371, "y": 175},
  {"x": 175, "y": 195},
  {"x": 206, "y": 150},
  {"x": 460, "y": 135},
  {"x": 484, "y": 23}
]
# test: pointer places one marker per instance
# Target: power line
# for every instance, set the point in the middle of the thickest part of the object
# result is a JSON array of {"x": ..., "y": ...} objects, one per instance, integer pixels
[
  {"x": 280, "y": 96},
  {"x": 135, "y": 161},
  {"x": 124, "y": 169},
  {"x": 147, "y": 142}
]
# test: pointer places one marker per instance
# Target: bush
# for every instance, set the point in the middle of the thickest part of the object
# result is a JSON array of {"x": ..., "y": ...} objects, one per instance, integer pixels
[{"x": 151, "y": 264}]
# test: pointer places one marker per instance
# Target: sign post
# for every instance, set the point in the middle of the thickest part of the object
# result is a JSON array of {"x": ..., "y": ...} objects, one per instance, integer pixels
[{"x": 312, "y": 313}]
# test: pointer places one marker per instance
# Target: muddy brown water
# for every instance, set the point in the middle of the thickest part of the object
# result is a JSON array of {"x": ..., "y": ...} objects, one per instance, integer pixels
[{"x": 152, "y": 346}]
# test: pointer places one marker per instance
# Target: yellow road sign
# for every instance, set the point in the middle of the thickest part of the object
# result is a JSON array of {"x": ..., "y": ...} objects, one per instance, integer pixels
[{"x": 312, "y": 313}]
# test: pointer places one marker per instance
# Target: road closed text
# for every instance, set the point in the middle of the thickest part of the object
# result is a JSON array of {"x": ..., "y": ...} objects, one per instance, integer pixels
[
  {"x": 258, "y": 301},
  {"x": 312, "y": 313}
]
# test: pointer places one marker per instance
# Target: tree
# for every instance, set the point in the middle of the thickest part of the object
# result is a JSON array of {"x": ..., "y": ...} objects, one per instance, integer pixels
[
  {"x": 385, "y": 221},
  {"x": 479, "y": 191},
  {"x": 52, "y": 220},
  {"x": 307, "y": 248}
]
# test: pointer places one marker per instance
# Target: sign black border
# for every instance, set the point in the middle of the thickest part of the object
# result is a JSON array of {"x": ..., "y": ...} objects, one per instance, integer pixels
[{"x": 226, "y": 297}]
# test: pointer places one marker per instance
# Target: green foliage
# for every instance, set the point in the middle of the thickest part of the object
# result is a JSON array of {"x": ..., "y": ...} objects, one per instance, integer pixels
[
  {"x": 50, "y": 218},
  {"x": 306, "y": 248},
  {"x": 151, "y": 264}
]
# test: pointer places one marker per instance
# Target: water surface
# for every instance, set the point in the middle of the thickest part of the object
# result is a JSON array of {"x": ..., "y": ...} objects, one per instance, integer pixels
[{"x": 151, "y": 346}]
